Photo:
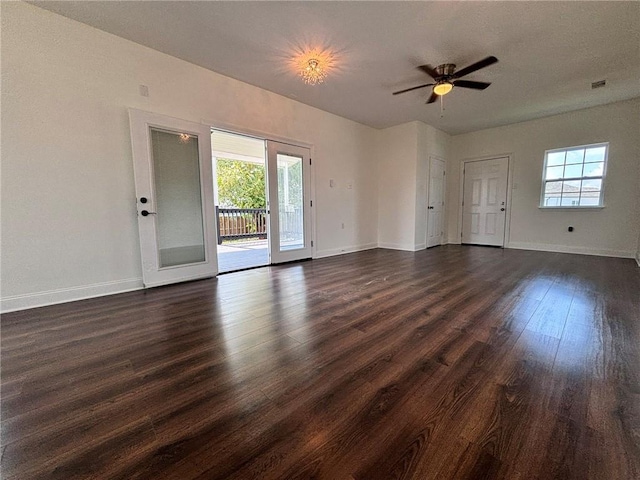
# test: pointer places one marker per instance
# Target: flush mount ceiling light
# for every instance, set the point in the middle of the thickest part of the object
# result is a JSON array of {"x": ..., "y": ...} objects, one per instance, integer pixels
[
  {"x": 313, "y": 65},
  {"x": 313, "y": 73}
]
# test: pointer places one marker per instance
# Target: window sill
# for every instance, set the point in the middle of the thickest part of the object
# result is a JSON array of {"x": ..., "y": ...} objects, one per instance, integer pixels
[{"x": 566, "y": 207}]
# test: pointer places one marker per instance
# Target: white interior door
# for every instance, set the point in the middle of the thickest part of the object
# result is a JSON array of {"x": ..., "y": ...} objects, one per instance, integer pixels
[
  {"x": 288, "y": 172},
  {"x": 435, "y": 207},
  {"x": 174, "y": 190},
  {"x": 485, "y": 201}
]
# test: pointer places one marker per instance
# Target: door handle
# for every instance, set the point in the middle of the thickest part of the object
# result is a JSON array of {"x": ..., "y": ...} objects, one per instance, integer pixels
[
  {"x": 502, "y": 209},
  {"x": 146, "y": 213},
  {"x": 143, "y": 200},
  {"x": 430, "y": 208}
]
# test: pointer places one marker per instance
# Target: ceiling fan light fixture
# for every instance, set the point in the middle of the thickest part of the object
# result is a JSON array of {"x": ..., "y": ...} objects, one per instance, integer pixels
[{"x": 442, "y": 88}]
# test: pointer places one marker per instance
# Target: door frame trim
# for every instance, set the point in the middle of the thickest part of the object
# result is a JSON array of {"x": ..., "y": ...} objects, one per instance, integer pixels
[
  {"x": 507, "y": 220},
  {"x": 268, "y": 136}
]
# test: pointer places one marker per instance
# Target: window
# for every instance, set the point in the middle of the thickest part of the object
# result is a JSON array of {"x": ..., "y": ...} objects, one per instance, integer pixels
[{"x": 573, "y": 177}]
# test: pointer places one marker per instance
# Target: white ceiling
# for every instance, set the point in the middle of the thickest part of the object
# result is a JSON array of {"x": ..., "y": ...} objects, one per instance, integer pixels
[{"x": 549, "y": 52}]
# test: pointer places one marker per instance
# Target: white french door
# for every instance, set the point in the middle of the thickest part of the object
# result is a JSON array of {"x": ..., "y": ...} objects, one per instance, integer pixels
[
  {"x": 174, "y": 198},
  {"x": 484, "y": 201},
  {"x": 288, "y": 178},
  {"x": 435, "y": 207}
]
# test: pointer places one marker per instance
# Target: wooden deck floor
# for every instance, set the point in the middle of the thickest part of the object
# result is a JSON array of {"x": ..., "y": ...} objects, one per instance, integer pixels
[
  {"x": 451, "y": 363},
  {"x": 238, "y": 256}
]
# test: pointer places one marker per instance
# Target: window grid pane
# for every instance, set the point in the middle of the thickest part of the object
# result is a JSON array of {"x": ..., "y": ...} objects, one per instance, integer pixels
[
  {"x": 573, "y": 177},
  {"x": 574, "y": 156},
  {"x": 593, "y": 169}
]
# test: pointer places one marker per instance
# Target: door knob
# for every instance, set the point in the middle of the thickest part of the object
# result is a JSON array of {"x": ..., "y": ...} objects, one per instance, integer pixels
[
  {"x": 502, "y": 209},
  {"x": 145, "y": 213},
  {"x": 143, "y": 200}
]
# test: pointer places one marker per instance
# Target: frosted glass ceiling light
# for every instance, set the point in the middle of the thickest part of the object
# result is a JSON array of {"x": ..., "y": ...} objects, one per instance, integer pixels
[{"x": 442, "y": 88}]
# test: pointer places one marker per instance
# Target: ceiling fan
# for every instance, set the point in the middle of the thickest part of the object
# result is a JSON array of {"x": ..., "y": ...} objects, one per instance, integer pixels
[{"x": 446, "y": 78}]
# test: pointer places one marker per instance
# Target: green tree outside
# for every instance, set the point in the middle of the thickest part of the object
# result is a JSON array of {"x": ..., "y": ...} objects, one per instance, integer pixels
[{"x": 240, "y": 184}]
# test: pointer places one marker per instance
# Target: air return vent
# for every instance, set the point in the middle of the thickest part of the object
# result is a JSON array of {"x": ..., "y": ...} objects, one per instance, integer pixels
[{"x": 598, "y": 84}]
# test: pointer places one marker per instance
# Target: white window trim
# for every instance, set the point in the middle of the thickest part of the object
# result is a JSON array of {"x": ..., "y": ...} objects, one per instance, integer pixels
[{"x": 601, "y": 203}]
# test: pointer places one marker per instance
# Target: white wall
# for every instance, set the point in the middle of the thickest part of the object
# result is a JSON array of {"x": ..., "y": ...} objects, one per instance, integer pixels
[
  {"x": 612, "y": 230},
  {"x": 68, "y": 202},
  {"x": 396, "y": 153},
  {"x": 403, "y": 155}
]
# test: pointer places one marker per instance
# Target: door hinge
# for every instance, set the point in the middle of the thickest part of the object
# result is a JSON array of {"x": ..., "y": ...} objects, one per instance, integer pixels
[
  {"x": 309, "y": 161},
  {"x": 311, "y": 202},
  {"x": 312, "y": 243}
]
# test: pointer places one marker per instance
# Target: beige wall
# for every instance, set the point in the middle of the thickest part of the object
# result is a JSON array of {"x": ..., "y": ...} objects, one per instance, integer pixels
[
  {"x": 612, "y": 230},
  {"x": 68, "y": 201}
]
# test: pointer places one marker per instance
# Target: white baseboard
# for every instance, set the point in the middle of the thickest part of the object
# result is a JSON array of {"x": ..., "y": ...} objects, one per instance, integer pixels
[
  {"x": 396, "y": 246},
  {"x": 341, "y": 251},
  {"x": 402, "y": 246},
  {"x": 545, "y": 247},
  {"x": 62, "y": 295}
]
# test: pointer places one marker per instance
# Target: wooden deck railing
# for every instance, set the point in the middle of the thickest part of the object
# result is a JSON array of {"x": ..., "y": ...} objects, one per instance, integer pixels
[{"x": 237, "y": 223}]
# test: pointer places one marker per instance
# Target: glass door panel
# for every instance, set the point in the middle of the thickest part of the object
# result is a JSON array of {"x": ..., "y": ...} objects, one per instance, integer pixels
[
  {"x": 180, "y": 231},
  {"x": 289, "y": 201}
]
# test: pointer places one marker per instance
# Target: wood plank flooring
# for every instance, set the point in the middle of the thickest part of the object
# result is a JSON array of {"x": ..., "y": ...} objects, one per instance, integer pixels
[{"x": 451, "y": 363}]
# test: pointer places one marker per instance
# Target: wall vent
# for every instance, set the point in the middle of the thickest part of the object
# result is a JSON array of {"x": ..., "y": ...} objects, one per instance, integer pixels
[{"x": 598, "y": 84}]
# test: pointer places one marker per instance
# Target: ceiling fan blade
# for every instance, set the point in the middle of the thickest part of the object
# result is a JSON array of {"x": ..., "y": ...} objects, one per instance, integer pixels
[
  {"x": 429, "y": 70},
  {"x": 470, "y": 84},
  {"x": 433, "y": 97},
  {"x": 476, "y": 66},
  {"x": 413, "y": 88}
]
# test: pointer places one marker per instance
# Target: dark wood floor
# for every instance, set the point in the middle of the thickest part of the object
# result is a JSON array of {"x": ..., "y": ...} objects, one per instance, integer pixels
[{"x": 452, "y": 363}]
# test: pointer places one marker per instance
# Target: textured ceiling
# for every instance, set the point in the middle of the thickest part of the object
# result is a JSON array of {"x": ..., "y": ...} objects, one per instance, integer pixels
[{"x": 549, "y": 52}]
